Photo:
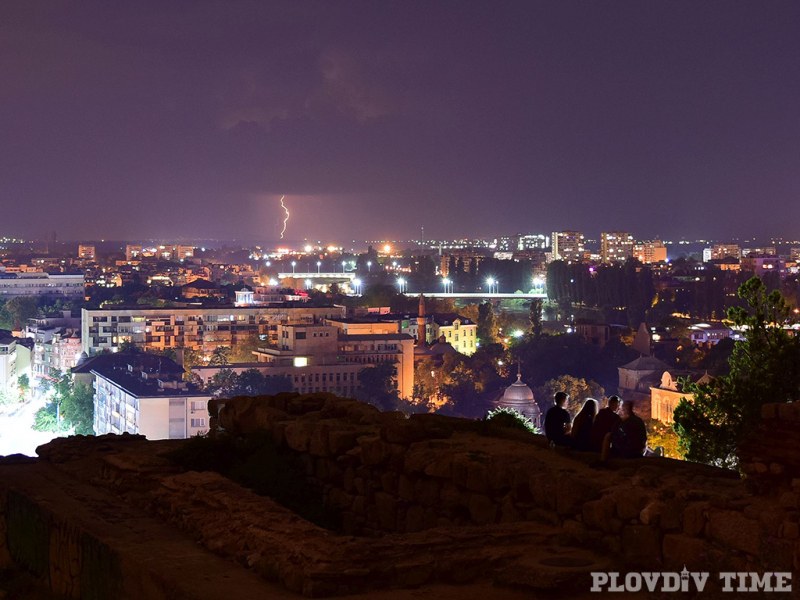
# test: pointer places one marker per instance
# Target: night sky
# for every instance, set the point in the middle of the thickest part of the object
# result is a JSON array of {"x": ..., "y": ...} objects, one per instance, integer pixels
[{"x": 162, "y": 118}]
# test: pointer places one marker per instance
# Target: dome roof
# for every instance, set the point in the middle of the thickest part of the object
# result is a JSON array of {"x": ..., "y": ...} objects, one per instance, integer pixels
[
  {"x": 519, "y": 397},
  {"x": 518, "y": 391}
]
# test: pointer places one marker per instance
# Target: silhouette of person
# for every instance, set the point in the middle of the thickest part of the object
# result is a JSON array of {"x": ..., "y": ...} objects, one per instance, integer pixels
[
  {"x": 630, "y": 439},
  {"x": 607, "y": 421},
  {"x": 557, "y": 421},
  {"x": 582, "y": 426}
]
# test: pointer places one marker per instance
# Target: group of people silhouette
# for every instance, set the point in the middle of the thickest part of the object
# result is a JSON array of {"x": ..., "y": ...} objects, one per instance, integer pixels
[{"x": 614, "y": 431}]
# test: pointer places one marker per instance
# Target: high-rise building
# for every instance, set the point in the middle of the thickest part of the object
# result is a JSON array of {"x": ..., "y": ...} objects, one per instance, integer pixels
[
  {"x": 615, "y": 246},
  {"x": 86, "y": 252},
  {"x": 650, "y": 252},
  {"x": 568, "y": 245},
  {"x": 133, "y": 252},
  {"x": 720, "y": 251}
]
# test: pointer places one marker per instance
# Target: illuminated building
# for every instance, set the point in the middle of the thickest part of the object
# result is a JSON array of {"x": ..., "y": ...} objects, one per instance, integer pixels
[
  {"x": 133, "y": 252},
  {"x": 41, "y": 284},
  {"x": 568, "y": 246},
  {"x": 194, "y": 328},
  {"x": 650, "y": 252},
  {"x": 144, "y": 394},
  {"x": 720, "y": 251},
  {"x": 321, "y": 358},
  {"x": 86, "y": 252},
  {"x": 664, "y": 397},
  {"x": 615, "y": 246}
]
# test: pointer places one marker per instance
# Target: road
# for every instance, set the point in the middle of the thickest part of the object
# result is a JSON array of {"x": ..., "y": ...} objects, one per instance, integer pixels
[{"x": 16, "y": 435}]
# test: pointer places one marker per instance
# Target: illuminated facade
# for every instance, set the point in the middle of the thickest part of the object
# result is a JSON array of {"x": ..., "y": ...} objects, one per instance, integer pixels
[
  {"x": 86, "y": 252},
  {"x": 320, "y": 358},
  {"x": 41, "y": 284},
  {"x": 568, "y": 246},
  {"x": 147, "y": 396},
  {"x": 195, "y": 328},
  {"x": 615, "y": 246},
  {"x": 650, "y": 252}
]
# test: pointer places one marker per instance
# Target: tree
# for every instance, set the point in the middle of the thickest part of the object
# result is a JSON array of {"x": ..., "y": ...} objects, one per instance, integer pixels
[
  {"x": 72, "y": 407},
  {"x": 764, "y": 367},
  {"x": 377, "y": 386},
  {"x": 486, "y": 332},
  {"x": 77, "y": 409},
  {"x": 220, "y": 356},
  {"x": 252, "y": 382},
  {"x": 535, "y": 317},
  {"x": 578, "y": 389},
  {"x": 24, "y": 384},
  {"x": 243, "y": 350},
  {"x": 16, "y": 312}
]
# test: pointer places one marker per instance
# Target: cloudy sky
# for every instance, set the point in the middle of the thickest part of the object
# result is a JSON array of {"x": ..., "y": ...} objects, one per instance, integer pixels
[{"x": 190, "y": 119}]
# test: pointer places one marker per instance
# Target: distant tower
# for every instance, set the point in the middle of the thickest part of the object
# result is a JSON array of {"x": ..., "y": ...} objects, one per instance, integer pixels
[{"x": 421, "y": 322}]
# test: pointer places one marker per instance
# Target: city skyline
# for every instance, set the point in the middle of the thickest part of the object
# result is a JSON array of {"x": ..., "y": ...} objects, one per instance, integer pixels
[{"x": 191, "y": 120}]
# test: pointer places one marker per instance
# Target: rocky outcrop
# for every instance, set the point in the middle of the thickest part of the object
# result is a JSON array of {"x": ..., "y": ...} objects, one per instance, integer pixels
[{"x": 424, "y": 500}]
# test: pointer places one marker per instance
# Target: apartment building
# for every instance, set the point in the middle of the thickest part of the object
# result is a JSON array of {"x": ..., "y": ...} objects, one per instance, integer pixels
[
  {"x": 616, "y": 246},
  {"x": 41, "y": 284},
  {"x": 195, "y": 328},
  {"x": 145, "y": 394}
]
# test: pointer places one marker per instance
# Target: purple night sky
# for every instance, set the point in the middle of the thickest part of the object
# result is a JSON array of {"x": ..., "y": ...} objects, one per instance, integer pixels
[{"x": 190, "y": 119}]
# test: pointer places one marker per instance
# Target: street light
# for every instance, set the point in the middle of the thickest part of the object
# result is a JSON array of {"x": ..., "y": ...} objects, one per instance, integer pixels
[
  {"x": 308, "y": 284},
  {"x": 492, "y": 283},
  {"x": 401, "y": 284},
  {"x": 369, "y": 266},
  {"x": 319, "y": 264},
  {"x": 446, "y": 282},
  {"x": 293, "y": 265},
  {"x": 357, "y": 285},
  {"x": 344, "y": 264}
]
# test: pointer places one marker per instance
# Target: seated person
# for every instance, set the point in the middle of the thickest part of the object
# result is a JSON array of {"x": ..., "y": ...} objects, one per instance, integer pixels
[
  {"x": 607, "y": 421},
  {"x": 557, "y": 421},
  {"x": 630, "y": 440},
  {"x": 582, "y": 426}
]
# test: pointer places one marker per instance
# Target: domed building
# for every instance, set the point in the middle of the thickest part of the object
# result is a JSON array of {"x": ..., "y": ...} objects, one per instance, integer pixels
[{"x": 519, "y": 396}]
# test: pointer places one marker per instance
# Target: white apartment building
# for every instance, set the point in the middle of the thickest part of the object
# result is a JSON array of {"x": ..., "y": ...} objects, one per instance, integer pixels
[
  {"x": 40, "y": 284},
  {"x": 145, "y": 394}
]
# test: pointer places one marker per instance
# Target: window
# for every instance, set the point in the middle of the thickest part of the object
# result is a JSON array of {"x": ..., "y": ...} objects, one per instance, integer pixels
[{"x": 198, "y": 422}]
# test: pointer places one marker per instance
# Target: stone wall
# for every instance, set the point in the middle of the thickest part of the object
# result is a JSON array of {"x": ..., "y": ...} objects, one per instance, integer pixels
[
  {"x": 770, "y": 457},
  {"x": 425, "y": 500},
  {"x": 388, "y": 473}
]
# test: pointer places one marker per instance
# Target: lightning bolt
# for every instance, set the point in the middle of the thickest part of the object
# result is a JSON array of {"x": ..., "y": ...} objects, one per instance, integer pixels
[{"x": 286, "y": 220}]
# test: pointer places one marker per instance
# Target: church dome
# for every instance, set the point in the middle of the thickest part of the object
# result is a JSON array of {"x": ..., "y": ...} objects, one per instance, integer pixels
[
  {"x": 518, "y": 392},
  {"x": 519, "y": 396}
]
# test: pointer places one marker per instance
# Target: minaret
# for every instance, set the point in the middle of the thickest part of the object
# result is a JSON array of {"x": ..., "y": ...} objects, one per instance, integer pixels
[{"x": 421, "y": 322}]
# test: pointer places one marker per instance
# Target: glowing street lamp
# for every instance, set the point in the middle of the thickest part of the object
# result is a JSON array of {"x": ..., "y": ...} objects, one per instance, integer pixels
[
  {"x": 446, "y": 282},
  {"x": 492, "y": 283},
  {"x": 319, "y": 264},
  {"x": 357, "y": 286},
  {"x": 293, "y": 265},
  {"x": 344, "y": 264},
  {"x": 369, "y": 266},
  {"x": 401, "y": 285}
]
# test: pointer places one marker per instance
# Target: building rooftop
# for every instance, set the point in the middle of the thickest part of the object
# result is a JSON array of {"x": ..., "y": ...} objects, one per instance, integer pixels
[{"x": 368, "y": 337}]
